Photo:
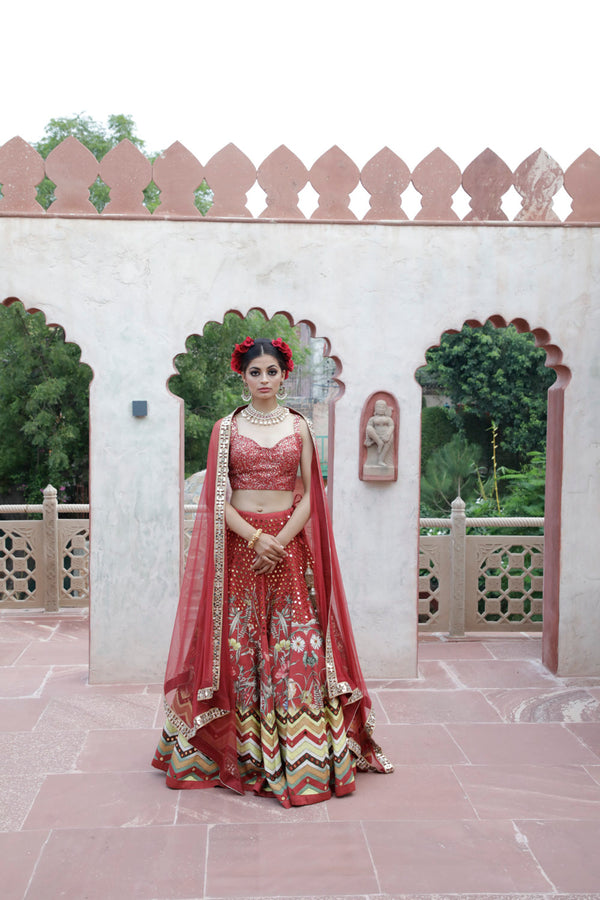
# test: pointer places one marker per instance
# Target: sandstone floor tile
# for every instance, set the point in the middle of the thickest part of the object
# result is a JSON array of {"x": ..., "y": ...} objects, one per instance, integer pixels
[
  {"x": 16, "y": 628},
  {"x": 22, "y": 681},
  {"x": 222, "y": 806},
  {"x": 91, "y": 711},
  {"x": 296, "y": 860},
  {"x": 18, "y": 791},
  {"x": 594, "y": 772},
  {"x": 418, "y": 745},
  {"x": 589, "y": 733},
  {"x": 567, "y": 852},
  {"x": 517, "y": 649},
  {"x": 73, "y": 628},
  {"x": 449, "y": 858},
  {"x": 26, "y": 752},
  {"x": 452, "y": 650},
  {"x": 74, "y": 680},
  {"x": 499, "y": 744},
  {"x": 530, "y": 791},
  {"x": 498, "y": 673},
  {"x": 554, "y": 705},
  {"x": 432, "y": 675},
  {"x": 132, "y": 799},
  {"x": 436, "y": 707},
  {"x": 410, "y": 792},
  {"x": 20, "y": 715},
  {"x": 10, "y": 651},
  {"x": 19, "y": 853},
  {"x": 55, "y": 653},
  {"x": 123, "y": 750},
  {"x": 129, "y": 863}
]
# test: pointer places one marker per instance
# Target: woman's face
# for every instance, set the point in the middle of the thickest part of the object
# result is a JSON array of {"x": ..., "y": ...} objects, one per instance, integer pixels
[{"x": 263, "y": 376}]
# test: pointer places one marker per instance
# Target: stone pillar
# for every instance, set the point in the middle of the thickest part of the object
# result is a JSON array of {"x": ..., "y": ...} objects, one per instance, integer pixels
[
  {"x": 51, "y": 560},
  {"x": 458, "y": 540}
]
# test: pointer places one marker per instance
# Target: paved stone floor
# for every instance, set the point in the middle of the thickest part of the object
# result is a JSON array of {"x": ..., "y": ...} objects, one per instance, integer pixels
[{"x": 496, "y": 792}]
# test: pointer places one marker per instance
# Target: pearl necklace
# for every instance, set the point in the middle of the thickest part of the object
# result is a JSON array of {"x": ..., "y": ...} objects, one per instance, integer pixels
[{"x": 257, "y": 417}]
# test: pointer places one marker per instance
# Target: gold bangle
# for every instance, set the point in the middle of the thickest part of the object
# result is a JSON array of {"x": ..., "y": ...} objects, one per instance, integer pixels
[{"x": 254, "y": 538}]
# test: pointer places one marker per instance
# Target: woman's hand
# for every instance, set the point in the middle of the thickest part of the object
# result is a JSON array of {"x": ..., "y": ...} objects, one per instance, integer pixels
[{"x": 269, "y": 552}]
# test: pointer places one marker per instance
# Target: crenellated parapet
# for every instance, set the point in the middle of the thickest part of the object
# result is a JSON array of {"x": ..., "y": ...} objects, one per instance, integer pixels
[{"x": 231, "y": 175}]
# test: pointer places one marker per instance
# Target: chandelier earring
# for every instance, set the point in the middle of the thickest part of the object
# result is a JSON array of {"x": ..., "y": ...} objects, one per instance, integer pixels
[
  {"x": 281, "y": 391},
  {"x": 246, "y": 395}
]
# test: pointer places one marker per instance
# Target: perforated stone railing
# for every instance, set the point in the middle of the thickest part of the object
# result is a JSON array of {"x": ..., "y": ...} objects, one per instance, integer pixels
[
  {"x": 466, "y": 582},
  {"x": 282, "y": 176},
  {"x": 44, "y": 563},
  {"x": 480, "y": 582}
]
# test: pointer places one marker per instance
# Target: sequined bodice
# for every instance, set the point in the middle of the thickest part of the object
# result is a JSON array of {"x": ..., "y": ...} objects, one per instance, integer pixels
[{"x": 256, "y": 468}]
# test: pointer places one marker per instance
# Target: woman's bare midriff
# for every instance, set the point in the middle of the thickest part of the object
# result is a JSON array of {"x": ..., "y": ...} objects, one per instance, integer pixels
[{"x": 262, "y": 501}]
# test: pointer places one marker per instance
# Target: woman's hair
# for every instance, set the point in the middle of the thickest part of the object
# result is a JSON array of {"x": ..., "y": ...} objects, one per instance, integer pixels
[{"x": 250, "y": 349}]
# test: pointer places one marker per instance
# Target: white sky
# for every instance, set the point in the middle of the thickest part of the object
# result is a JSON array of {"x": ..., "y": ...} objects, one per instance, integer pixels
[{"x": 513, "y": 75}]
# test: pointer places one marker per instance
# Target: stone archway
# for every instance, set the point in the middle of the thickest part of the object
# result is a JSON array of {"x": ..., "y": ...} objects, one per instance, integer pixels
[
  {"x": 44, "y": 463},
  {"x": 314, "y": 387},
  {"x": 554, "y": 443}
]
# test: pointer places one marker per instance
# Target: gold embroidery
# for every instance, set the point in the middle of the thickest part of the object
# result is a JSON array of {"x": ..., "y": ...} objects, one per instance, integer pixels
[
  {"x": 199, "y": 721},
  {"x": 219, "y": 544}
]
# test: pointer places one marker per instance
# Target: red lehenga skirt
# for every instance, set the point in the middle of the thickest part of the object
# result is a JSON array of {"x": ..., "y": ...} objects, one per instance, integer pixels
[{"x": 291, "y": 738}]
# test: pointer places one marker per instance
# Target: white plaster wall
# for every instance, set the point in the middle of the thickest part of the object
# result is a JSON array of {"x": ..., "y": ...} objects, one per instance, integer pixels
[{"x": 130, "y": 292}]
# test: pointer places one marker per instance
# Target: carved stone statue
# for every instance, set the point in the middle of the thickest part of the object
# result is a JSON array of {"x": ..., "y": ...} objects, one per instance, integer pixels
[{"x": 379, "y": 439}]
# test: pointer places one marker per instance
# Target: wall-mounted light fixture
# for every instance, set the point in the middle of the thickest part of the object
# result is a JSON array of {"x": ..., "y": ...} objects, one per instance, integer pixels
[{"x": 139, "y": 408}]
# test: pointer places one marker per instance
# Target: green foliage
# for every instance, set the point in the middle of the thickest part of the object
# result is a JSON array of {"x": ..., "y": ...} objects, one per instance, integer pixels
[
  {"x": 437, "y": 428},
  {"x": 99, "y": 139},
  {"x": 205, "y": 381},
  {"x": 526, "y": 488},
  {"x": 496, "y": 374},
  {"x": 43, "y": 408},
  {"x": 451, "y": 471}
]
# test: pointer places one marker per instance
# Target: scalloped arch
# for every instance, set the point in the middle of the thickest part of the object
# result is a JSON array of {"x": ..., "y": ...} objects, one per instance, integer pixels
[
  {"x": 554, "y": 356},
  {"x": 554, "y": 474},
  {"x": 10, "y": 301},
  {"x": 280, "y": 312}
]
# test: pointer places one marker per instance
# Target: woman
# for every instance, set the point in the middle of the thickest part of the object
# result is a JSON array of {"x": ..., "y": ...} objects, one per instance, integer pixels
[{"x": 263, "y": 690}]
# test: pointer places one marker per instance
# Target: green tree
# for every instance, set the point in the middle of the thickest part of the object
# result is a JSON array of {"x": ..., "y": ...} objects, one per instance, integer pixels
[
  {"x": 437, "y": 428},
  {"x": 99, "y": 139},
  {"x": 496, "y": 374},
  {"x": 205, "y": 381},
  {"x": 451, "y": 471},
  {"x": 526, "y": 488},
  {"x": 43, "y": 408}
]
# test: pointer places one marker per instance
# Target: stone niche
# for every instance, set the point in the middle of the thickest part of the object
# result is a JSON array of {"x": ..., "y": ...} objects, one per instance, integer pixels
[{"x": 378, "y": 438}]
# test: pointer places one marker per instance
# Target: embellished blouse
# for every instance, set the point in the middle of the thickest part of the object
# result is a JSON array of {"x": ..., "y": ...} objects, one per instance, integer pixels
[{"x": 256, "y": 468}]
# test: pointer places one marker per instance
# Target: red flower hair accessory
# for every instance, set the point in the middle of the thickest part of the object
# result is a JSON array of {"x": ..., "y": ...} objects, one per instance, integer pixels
[
  {"x": 285, "y": 351},
  {"x": 240, "y": 350}
]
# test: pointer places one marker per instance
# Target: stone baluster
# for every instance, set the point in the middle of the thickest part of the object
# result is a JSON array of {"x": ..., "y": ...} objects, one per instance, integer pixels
[
  {"x": 486, "y": 180},
  {"x": 127, "y": 172},
  {"x": 73, "y": 169},
  {"x": 51, "y": 555},
  {"x": 177, "y": 174},
  {"x": 458, "y": 547},
  {"x": 582, "y": 182},
  {"x": 230, "y": 175},
  {"x": 334, "y": 176},
  {"x": 282, "y": 176},
  {"x": 385, "y": 177},
  {"x": 21, "y": 170},
  {"x": 436, "y": 178}
]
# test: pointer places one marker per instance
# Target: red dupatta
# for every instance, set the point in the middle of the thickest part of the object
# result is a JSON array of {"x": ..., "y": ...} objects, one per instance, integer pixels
[{"x": 199, "y": 696}]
